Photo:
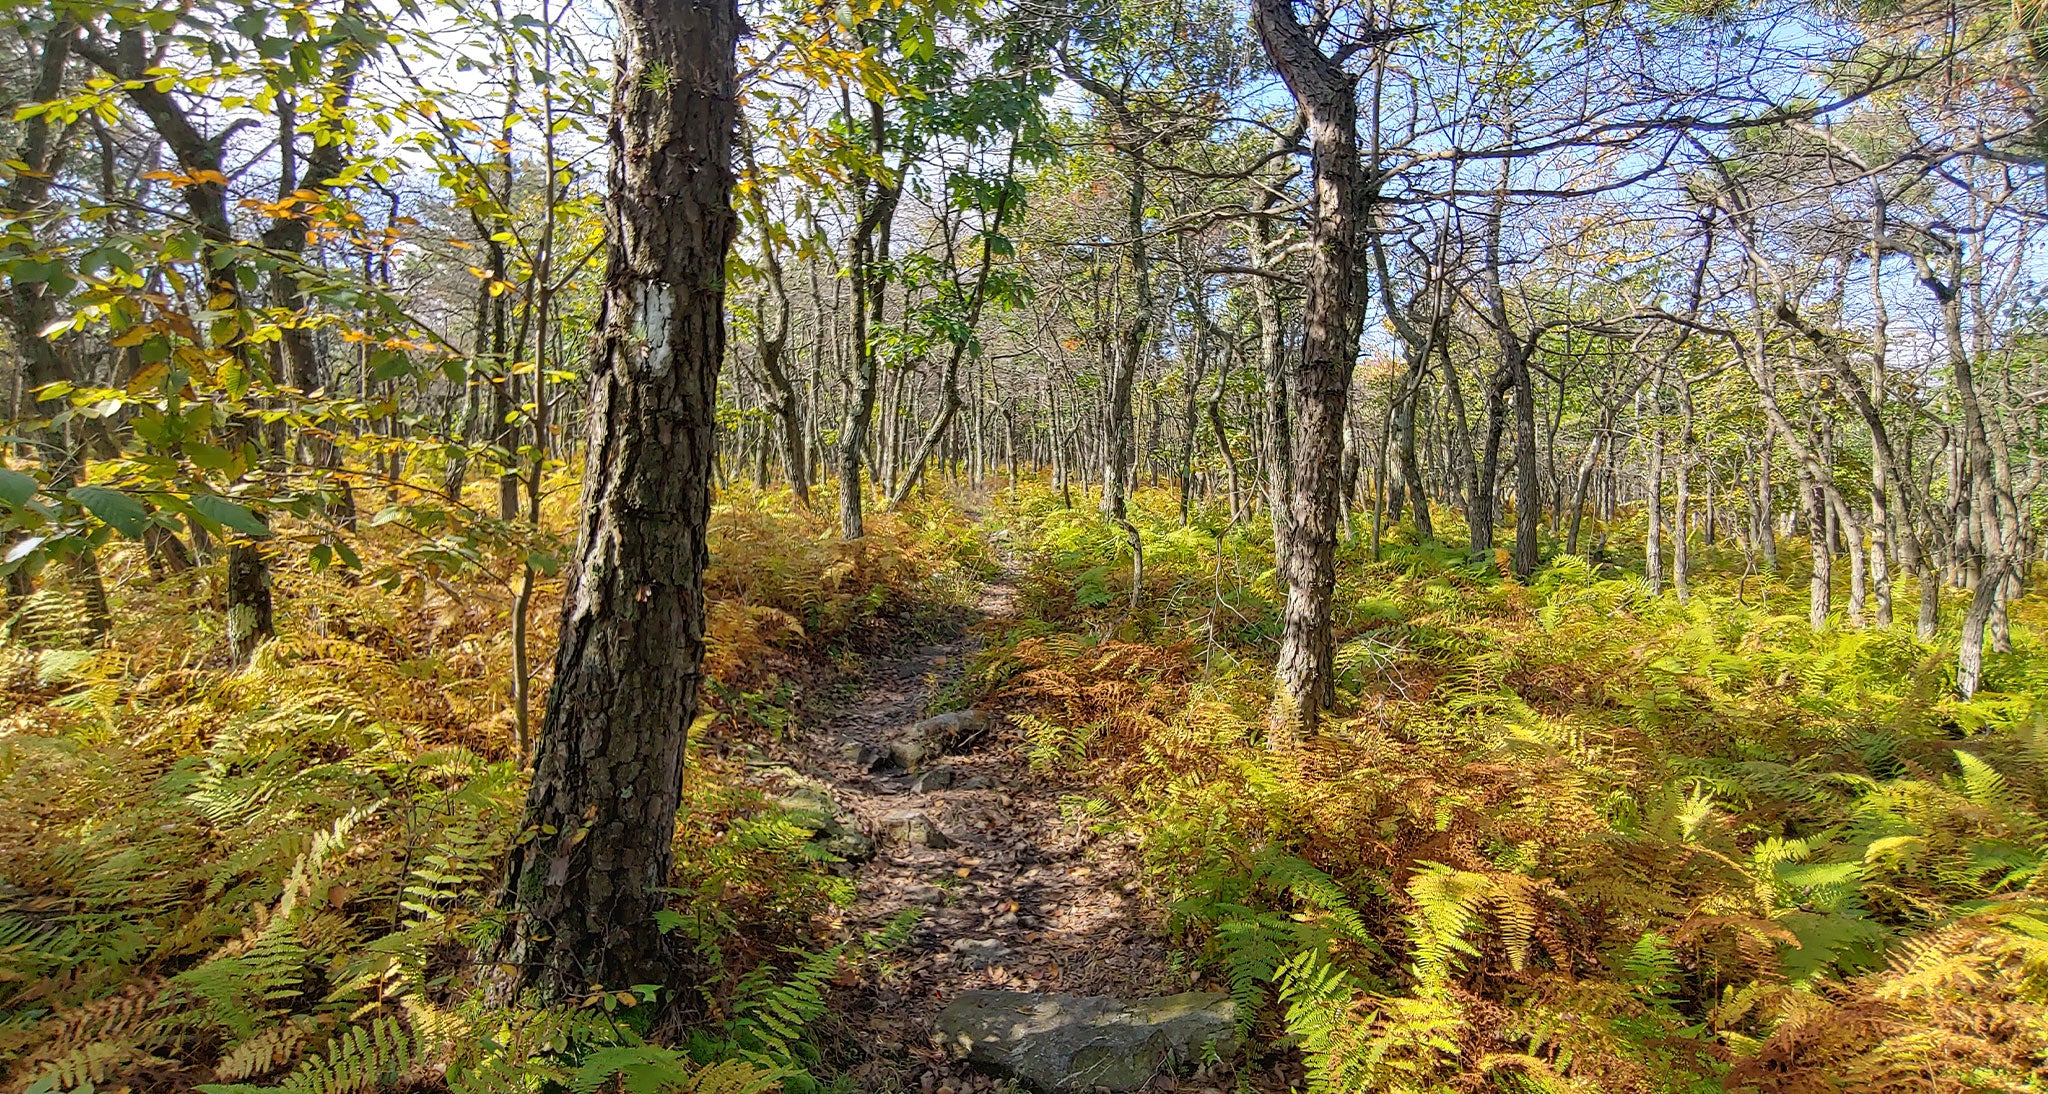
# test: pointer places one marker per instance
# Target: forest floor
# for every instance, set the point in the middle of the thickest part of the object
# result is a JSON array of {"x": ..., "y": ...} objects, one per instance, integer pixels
[{"x": 1016, "y": 890}]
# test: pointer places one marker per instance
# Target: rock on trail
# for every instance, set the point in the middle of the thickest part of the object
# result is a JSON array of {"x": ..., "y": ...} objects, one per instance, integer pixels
[{"x": 1062, "y": 1043}]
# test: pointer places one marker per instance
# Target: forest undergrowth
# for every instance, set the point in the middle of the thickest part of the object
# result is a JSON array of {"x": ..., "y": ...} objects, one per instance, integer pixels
[
  {"x": 275, "y": 877},
  {"x": 1562, "y": 836}
]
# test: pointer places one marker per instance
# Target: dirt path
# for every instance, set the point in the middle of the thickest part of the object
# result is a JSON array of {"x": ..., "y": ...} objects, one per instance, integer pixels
[{"x": 1018, "y": 897}]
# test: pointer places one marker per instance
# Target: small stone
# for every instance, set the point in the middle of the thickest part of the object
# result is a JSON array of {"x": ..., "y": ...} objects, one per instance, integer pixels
[
  {"x": 914, "y": 828},
  {"x": 927, "y": 740},
  {"x": 937, "y": 778},
  {"x": 862, "y": 754},
  {"x": 908, "y": 755},
  {"x": 851, "y": 846}
]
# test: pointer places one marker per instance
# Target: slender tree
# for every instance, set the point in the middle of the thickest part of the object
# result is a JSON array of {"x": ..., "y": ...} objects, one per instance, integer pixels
[{"x": 1320, "y": 382}]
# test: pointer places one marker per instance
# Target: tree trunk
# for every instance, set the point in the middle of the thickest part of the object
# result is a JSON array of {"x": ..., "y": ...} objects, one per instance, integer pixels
[
  {"x": 1681, "y": 530},
  {"x": 1653, "y": 513},
  {"x": 1406, "y": 463},
  {"x": 585, "y": 879},
  {"x": 868, "y": 249},
  {"x": 1970, "y": 651},
  {"x": 1852, "y": 533},
  {"x": 1820, "y": 588},
  {"x": 1528, "y": 491},
  {"x": 1277, "y": 445},
  {"x": 1321, "y": 389}
]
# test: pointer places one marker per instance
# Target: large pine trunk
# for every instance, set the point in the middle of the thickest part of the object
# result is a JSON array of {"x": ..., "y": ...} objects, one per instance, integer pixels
[{"x": 585, "y": 880}]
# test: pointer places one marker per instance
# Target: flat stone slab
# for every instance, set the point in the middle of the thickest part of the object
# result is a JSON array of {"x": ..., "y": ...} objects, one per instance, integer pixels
[{"x": 1061, "y": 1043}]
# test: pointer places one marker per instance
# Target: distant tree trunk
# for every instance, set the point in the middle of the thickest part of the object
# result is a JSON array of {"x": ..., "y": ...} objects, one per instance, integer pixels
[
  {"x": 1511, "y": 376},
  {"x": 949, "y": 385},
  {"x": 1681, "y": 528},
  {"x": 1970, "y": 651},
  {"x": 1406, "y": 463},
  {"x": 1582, "y": 482},
  {"x": 1820, "y": 589},
  {"x": 772, "y": 347},
  {"x": 1277, "y": 448},
  {"x": 583, "y": 890},
  {"x": 1852, "y": 533},
  {"x": 1528, "y": 491},
  {"x": 1119, "y": 425},
  {"x": 1653, "y": 514},
  {"x": 1321, "y": 389},
  {"x": 1059, "y": 447},
  {"x": 1766, "y": 516},
  {"x": 1485, "y": 496},
  {"x": 1465, "y": 465},
  {"x": 867, "y": 250},
  {"x": 1681, "y": 515}
]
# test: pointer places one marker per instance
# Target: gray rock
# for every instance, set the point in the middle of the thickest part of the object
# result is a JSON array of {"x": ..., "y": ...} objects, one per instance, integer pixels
[
  {"x": 851, "y": 846},
  {"x": 863, "y": 755},
  {"x": 1075, "y": 1043},
  {"x": 811, "y": 808},
  {"x": 914, "y": 828},
  {"x": 934, "y": 778},
  {"x": 920, "y": 742},
  {"x": 951, "y": 726},
  {"x": 911, "y": 754}
]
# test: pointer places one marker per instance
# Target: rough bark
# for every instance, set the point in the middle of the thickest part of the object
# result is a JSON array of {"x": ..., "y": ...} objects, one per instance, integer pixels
[
  {"x": 585, "y": 878},
  {"x": 1321, "y": 377}
]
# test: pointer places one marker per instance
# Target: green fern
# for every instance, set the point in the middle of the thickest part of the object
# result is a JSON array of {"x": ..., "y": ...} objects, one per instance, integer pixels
[
  {"x": 360, "y": 1058},
  {"x": 769, "y": 1014},
  {"x": 1353, "y": 1042},
  {"x": 639, "y": 1069},
  {"x": 1446, "y": 903},
  {"x": 87, "y": 1066},
  {"x": 1981, "y": 783}
]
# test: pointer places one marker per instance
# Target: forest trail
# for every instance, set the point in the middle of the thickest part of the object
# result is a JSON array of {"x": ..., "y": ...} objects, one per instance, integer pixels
[{"x": 1011, "y": 894}]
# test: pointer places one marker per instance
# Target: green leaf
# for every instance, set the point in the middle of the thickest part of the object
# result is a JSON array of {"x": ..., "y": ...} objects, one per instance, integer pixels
[
  {"x": 120, "y": 512},
  {"x": 210, "y": 457},
  {"x": 228, "y": 514},
  {"x": 16, "y": 488}
]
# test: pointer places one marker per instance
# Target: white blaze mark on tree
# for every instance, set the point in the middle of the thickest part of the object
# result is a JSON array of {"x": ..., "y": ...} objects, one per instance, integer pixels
[{"x": 651, "y": 325}]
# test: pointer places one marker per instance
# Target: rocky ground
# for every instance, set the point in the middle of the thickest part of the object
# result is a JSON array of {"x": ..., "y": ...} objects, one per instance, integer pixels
[{"x": 942, "y": 814}]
